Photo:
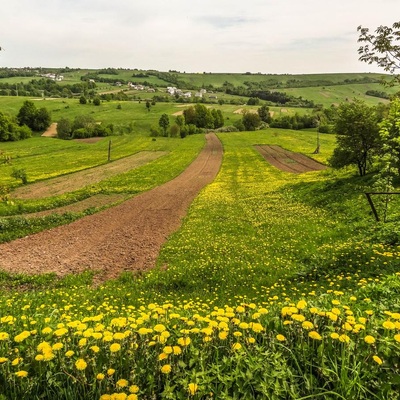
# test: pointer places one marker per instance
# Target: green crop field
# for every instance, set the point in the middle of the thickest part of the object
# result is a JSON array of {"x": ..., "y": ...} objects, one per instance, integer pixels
[{"x": 276, "y": 285}]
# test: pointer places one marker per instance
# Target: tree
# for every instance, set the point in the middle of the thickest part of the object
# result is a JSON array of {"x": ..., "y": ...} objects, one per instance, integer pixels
[
  {"x": 27, "y": 114},
  {"x": 218, "y": 118},
  {"x": 164, "y": 123},
  {"x": 389, "y": 156},
  {"x": 82, "y": 100},
  {"x": 64, "y": 128},
  {"x": 37, "y": 120},
  {"x": 251, "y": 121},
  {"x": 42, "y": 120},
  {"x": 381, "y": 48},
  {"x": 357, "y": 136},
  {"x": 148, "y": 105},
  {"x": 264, "y": 114},
  {"x": 96, "y": 101}
]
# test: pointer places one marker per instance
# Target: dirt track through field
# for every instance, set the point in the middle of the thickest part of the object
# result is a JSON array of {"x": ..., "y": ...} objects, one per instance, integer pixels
[
  {"x": 288, "y": 161},
  {"x": 127, "y": 237},
  {"x": 86, "y": 177}
]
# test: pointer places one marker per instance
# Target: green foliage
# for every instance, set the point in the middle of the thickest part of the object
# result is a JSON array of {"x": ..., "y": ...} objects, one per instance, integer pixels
[
  {"x": 82, "y": 100},
  {"x": 357, "y": 136},
  {"x": 203, "y": 117},
  {"x": 164, "y": 123},
  {"x": 29, "y": 115},
  {"x": 251, "y": 121},
  {"x": 11, "y": 131},
  {"x": 64, "y": 128},
  {"x": 20, "y": 173},
  {"x": 381, "y": 48}
]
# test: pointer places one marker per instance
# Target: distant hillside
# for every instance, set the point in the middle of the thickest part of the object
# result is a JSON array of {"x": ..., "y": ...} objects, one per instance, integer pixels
[{"x": 305, "y": 90}]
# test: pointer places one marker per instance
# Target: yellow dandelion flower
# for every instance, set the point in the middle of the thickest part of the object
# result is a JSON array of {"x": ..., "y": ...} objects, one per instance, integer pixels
[
  {"x": 21, "y": 374},
  {"x": 119, "y": 336},
  {"x": 16, "y": 361},
  {"x": 251, "y": 340},
  {"x": 4, "y": 336},
  {"x": 43, "y": 347},
  {"x": 100, "y": 376},
  {"x": 69, "y": 353},
  {"x": 48, "y": 355},
  {"x": 184, "y": 341},
  {"x": 80, "y": 364},
  {"x": 389, "y": 325},
  {"x": 162, "y": 356},
  {"x": 3, "y": 360},
  {"x": 244, "y": 325},
  {"x": 223, "y": 335},
  {"x": 60, "y": 332},
  {"x": 166, "y": 369},
  {"x": 397, "y": 338},
  {"x": 236, "y": 346},
  {"x": 344, "y": 338},
  {"x": 115, "y": 347},
  {"x": 95, "y": 349},
  {"x": 159, "y": 328},
  {"x": 192, "y": 388},
  {"x": 22, "y": 336},
  {"x": 298, "y": 317},
  {"x": 369, "y": 339},
  {"x": 133, "y": 389},
  {"x": 177, "y": 350},
  {"x": 39, "y": 357},
  {"x": 301, "y": 305},
  {"x": 307, "y": 325},
  {"x": 110, "y": 371},
  {"x": 168, "y": 349},
  {"x": 57, "y": 346},
  {"x": 280, "y": 337},
  {"x": 377, "y": 359},
  {"x": 315, "y": 335},
  {"x": 121, "y": 383},
  {"x": 47, "y": 330},
  {"x": 132, "y": 396},
  {"x": 334, "y": 335}
]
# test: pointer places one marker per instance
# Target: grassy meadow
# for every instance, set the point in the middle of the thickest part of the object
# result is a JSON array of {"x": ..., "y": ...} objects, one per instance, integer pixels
[{"x": 276, "y": 286}]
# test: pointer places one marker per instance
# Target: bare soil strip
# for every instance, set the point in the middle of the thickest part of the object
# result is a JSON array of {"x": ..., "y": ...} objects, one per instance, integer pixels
[
  {"x": 127, "y": 237},
  {"x": 98, "y": 200},
  {"x": 288, "y": 161},
  {"x": 80, "y": 179},
  {"x": 51, "y": 130}
]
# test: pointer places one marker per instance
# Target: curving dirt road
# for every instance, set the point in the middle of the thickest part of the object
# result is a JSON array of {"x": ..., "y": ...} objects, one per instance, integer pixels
[{"x": 127, "y": 237}]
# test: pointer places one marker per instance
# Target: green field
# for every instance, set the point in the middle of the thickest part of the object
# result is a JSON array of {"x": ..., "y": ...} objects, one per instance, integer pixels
[
  {"x": 325, "y": 89},
  {"x": 276, "y": 286}
]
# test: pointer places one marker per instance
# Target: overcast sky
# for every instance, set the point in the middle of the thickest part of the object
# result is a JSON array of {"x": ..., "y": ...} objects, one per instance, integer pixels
[{"x": 268, "y": 36}]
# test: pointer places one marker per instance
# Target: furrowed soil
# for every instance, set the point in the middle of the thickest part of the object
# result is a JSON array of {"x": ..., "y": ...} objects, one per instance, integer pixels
[
  {"x": 80, "y": 179},
  {"x": 288, "y": 161},
  {"x": 127, "y": 237}
]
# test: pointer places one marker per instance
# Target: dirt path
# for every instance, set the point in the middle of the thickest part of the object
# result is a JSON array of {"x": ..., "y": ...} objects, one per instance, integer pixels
[
  {"x": 288, "y": 161},
  {"x": 80, "y": 179},
  {"x": 51, "y": 130},
  {"x": 127, "y": 237}
]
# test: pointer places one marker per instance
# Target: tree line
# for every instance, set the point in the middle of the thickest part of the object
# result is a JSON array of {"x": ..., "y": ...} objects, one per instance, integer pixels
[{"x": 28, "y": 119}]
